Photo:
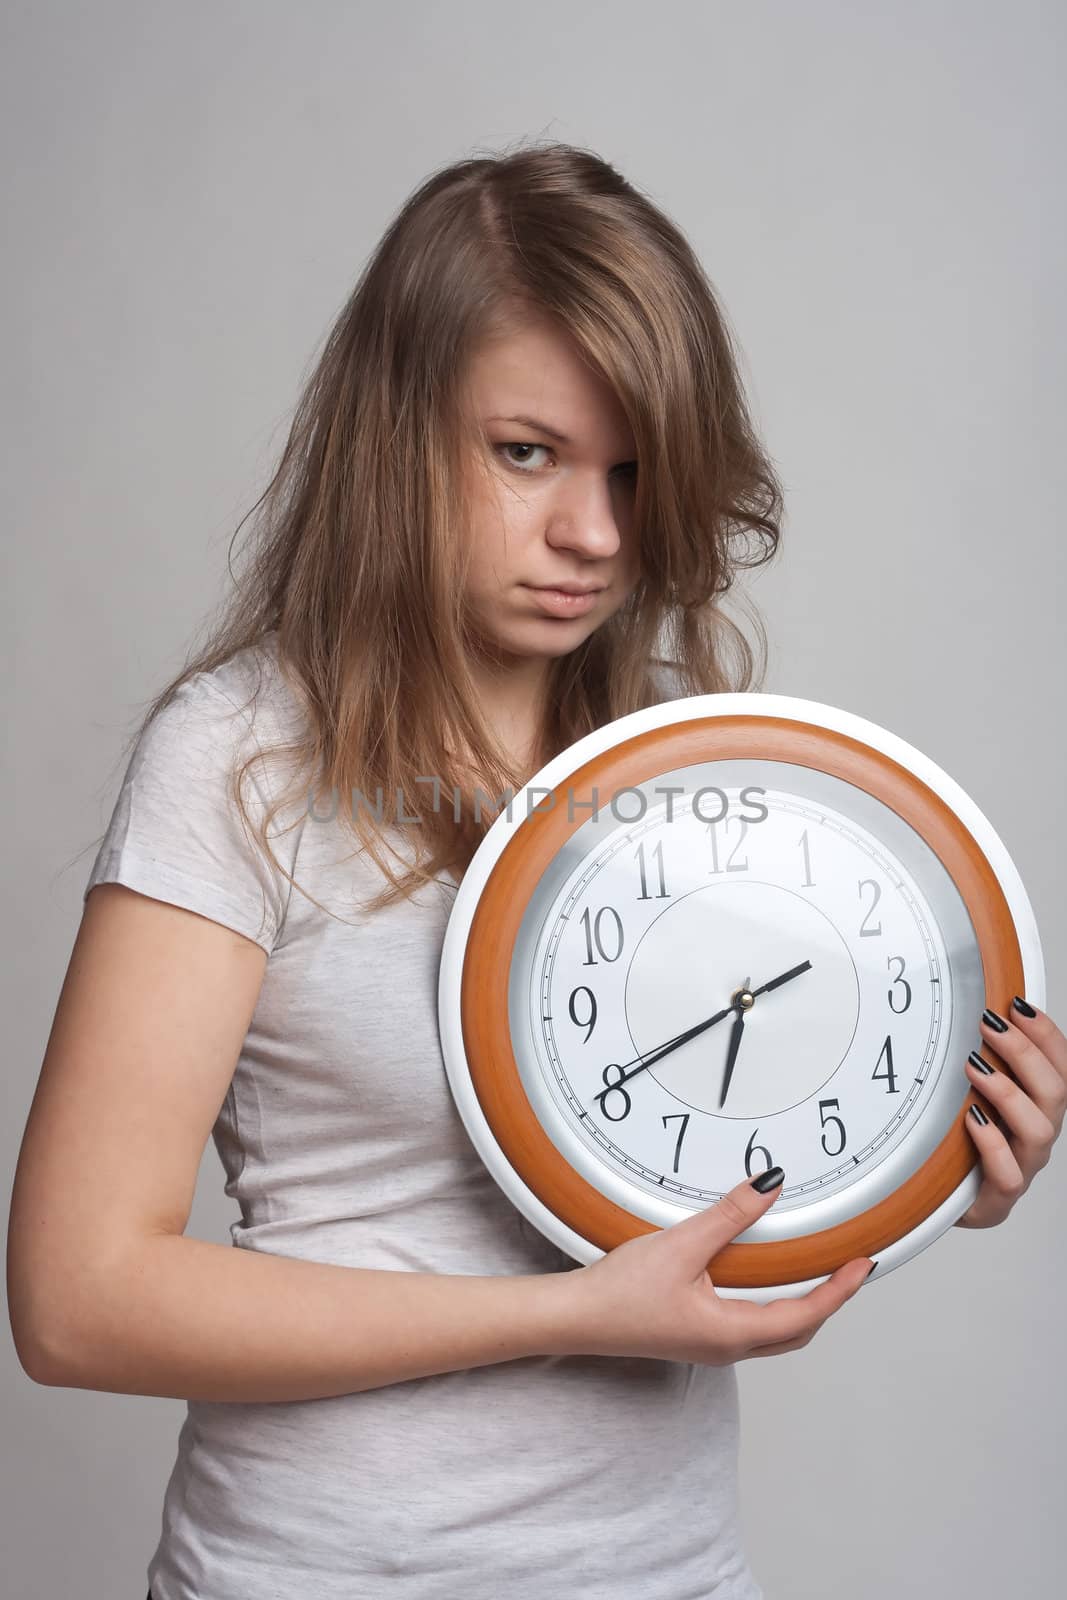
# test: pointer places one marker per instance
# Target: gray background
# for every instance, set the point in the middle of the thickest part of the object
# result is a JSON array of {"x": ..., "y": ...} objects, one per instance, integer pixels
[{"x": 189, "y": 191}]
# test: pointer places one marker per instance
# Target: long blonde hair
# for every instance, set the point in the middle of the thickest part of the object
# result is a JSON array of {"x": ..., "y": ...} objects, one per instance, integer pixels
[{"x": 358, "y": 548}]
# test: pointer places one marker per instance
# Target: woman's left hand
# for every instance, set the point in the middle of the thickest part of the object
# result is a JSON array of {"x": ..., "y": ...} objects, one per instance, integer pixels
[{"x": 1025, "y": 1116}]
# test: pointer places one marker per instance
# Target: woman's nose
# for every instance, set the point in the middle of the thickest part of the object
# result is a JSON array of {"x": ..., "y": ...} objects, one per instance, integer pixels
[{"x": 586, "y": 519}]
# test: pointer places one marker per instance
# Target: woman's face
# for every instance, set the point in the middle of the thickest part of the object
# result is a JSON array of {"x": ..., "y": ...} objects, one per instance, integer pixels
[{"x": 554, "y": 505}]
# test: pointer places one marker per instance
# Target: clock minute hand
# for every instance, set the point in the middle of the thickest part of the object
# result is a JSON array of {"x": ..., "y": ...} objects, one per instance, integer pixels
[
  {"x": 784, "y": 977},
  {"x": 664, "y": 1050}
]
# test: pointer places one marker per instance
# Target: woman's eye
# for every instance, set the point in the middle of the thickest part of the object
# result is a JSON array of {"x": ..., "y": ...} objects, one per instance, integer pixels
[
  {"x": 628, "y": 469},
  {"x": 517, "y": 445}
]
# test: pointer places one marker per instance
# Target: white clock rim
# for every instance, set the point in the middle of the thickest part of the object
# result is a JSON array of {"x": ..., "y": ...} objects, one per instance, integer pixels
[{"x": 549, "y": 777}]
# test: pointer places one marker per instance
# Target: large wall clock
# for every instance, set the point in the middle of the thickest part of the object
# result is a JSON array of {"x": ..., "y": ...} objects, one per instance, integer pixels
[{"x": 725, "y": 933}]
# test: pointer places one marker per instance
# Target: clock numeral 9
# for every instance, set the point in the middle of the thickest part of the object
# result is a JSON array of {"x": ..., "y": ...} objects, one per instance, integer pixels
[
  {"x": 592, "y": 935},
  {"x": 583, "y": 1022}
]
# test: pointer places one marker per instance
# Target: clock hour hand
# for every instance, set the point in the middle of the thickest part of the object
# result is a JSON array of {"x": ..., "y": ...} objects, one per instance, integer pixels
[
  {"x": 735, "y": 1041},
  {"x": 739, "y": 1025}
]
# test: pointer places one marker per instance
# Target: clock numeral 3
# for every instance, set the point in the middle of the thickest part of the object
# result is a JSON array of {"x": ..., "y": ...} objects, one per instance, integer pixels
[
  {"x": 592, "y": 935},
  {"x": 900, "y": 978}
]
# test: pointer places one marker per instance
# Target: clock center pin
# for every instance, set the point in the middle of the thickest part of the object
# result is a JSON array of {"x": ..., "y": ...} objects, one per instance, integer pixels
[{"x": 743, "y": 997}]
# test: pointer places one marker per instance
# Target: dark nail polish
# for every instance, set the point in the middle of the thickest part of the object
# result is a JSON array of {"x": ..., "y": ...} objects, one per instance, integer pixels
[
  {"x": 978, "y": 1114},
  {"x": 976, "y": 1061},
  {"x": 1024, "y": 1006},
  {"x": 768, "y": 1180},
  {"x": 993, "y": 1021},
  {"x": 873, "y": 1265}
]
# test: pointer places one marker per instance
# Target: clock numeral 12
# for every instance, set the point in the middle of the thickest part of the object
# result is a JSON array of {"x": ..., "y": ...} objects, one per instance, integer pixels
[{"x": 742, "y": 866}]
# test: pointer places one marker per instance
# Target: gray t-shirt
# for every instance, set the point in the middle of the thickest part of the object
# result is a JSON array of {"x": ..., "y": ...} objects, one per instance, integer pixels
[{"x": 538, "y": 1478}]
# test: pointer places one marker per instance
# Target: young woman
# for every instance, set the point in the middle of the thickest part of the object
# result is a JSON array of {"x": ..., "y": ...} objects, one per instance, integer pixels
[{"x": 459, "y": 571}]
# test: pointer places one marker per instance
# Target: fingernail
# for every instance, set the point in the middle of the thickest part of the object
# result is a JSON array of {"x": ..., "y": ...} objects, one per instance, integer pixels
[
  {"x": 978, "y": 1114},
  {"x": 768, "y": 1180},
  {"x": 991, "y": 1020},
  {"x": 1024, "y": 1006},
  {"x": 873, "y": 1265},
  {"x": 976, "y": 1061}
]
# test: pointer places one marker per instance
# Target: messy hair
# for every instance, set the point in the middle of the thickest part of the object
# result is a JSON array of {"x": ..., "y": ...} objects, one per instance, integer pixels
[{"x": 358, "y": 548}]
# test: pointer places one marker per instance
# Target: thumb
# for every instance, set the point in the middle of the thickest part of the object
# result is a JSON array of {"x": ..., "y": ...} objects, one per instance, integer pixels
[{"x": 704, "y": 1234}]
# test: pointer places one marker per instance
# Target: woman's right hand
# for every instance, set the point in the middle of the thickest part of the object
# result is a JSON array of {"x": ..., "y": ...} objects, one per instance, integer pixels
[{"x": 653, "y": 1295}]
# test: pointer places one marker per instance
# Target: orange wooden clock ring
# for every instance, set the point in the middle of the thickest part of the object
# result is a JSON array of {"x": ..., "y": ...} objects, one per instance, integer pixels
[{"x": 499, "y": 912}]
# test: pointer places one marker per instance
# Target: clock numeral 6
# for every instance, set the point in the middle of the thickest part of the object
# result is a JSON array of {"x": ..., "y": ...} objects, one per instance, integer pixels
[{"x": 750, "y": 1151}]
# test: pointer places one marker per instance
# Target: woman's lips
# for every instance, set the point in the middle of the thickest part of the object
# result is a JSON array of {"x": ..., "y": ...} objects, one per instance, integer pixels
[{"x": 557, "y": 603}]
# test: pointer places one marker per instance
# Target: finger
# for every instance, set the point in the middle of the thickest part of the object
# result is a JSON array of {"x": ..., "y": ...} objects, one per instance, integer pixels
[
  {"x": 699, "y": 1238},
  {"x": 1031, "y": 1049},
  {"x": 1035, "y": 1133},
  {"x": 1001, "y": 1174},
  {"x": 788, "y": 1320},
  {"x": 781, "y": 1349},
  {"x": 1040, "y": 1028}
]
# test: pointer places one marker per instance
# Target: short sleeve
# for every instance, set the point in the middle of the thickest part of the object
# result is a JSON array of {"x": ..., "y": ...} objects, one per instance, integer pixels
[{"x": 175, "y": 832}]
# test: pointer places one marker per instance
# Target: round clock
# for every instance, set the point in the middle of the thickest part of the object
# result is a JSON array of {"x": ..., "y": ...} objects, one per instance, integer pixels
[{"x": 725, "y": 933}]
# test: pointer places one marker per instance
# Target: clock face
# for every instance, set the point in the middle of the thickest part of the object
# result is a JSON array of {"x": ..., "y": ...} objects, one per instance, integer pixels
[{"x": 764, "y": 891}]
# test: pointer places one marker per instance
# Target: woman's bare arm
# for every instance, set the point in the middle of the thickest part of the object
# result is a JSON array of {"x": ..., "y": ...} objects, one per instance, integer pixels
[{"x": 104, "y": 1290}]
